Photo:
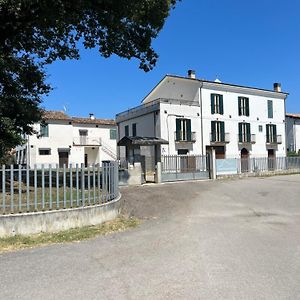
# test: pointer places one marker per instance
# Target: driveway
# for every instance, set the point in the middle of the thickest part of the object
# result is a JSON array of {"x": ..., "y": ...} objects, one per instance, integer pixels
[{"x": 231, "y": 239}]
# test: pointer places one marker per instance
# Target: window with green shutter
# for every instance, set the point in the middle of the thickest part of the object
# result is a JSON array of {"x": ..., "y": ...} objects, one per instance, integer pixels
[
  {"x": 183, "y": 130},
  {"x": 126, "y": 130},
  {"x": 270, "y": 109},
  {"x": 244, "y": 133},
  {"x": 134, "y": 129},
  {"x": 217, "y": 131},
  {"x": 243, "y": 103},
  {"x": 271, "y": 132},
  {"x": 44, "y": 130},
  {"x": 113, "y": 134},
  {"x": 216, "y": 102}
]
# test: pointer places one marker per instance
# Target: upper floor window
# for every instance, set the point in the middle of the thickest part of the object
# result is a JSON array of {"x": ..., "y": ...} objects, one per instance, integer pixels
[
  {"x": 244, "y": 133},
  {"x": 113, "y": 134},
  {"x": 243, "y": 106},
  {"x": 134, "y": 129},
  {"x": 126, "y": 130},
  {"x": 216, "y": 104},
  {"x": 271, "y": 131},
  {"x": 183, "y": 130},
  {"x": 270, "y": 109},
  {"x": 44, "y": 130},
  {"x": 217, "y": 131}
]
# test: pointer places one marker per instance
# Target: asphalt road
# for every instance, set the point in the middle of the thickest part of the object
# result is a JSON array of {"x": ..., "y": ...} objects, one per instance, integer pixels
[{"x": 232, "y": 239}]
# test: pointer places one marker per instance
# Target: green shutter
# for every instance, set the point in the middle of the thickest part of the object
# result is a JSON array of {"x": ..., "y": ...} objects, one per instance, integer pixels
[
  {"x": 240, "y": 106},
  {"x": 44, "y": 130},
  {"x": 268, "y": 133},
  {"x": 222, "y": 127},
  {"x": 274, "y": 133},
  {"x": 248, "y": 128},
  {"x": 213, "y": 131},
  {"x": 247, "y": 107},
  {"x": 113, "y": 134},
  {"x": 178, "y": 129},
  {"x": 270, "y": 109},
  {"x": 240, "y": 132},
  {"x": 212, "y": 104},
  {"x": 126, "y": 130},
  {"x": 221, "y": 104},
  {"x": 189, "y": 130}
]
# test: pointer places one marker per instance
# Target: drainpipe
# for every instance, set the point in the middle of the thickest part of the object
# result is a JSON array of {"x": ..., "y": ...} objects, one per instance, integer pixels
[{"x": 201, "y": 116}]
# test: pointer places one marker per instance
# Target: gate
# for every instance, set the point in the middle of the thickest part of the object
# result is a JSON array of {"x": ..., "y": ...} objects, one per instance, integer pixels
[{"x": 184, "y": 167}]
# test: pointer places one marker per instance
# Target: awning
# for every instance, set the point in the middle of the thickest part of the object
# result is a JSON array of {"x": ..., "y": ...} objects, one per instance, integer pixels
[{"x": 141, "y": 141}]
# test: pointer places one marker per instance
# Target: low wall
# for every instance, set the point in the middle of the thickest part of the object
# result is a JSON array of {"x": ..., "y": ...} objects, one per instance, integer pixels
[
  {"x": 57, "y": 220},
  {"x": 260, "y": 174}
]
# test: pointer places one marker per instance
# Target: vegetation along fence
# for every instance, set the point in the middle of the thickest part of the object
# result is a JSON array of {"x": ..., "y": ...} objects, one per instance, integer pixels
[
  {"x": 257, "y": 165},
  {"x": 30, "y": 190}
]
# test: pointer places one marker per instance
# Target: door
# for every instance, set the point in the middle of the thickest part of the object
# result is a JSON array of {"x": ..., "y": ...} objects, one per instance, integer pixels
[
  {"x": 85, "y": 160},
  {"x": 63, "y": 159},
  {"x": 271, "y": 159},
  {"x": 244, "y": 160}
]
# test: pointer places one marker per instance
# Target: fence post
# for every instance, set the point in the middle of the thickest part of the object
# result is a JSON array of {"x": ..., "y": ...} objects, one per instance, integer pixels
[
  {"x": 3, "y": 189},
  {"x": 213, "y": 169},
  {"x": 158, "y": 172}
]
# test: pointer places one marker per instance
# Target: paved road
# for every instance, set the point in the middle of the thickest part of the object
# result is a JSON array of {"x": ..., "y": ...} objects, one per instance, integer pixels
[{"x": 233, "y": 239}]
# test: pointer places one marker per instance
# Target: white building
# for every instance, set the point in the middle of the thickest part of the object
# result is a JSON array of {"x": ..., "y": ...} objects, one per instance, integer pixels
[
  {"x": 293, "y": 132},
  {"x": 62, "y": 139},
  {"x": 195, "y": 115}
]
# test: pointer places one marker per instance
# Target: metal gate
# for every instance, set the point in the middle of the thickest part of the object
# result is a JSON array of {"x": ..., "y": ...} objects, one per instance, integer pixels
[{"x": 184, "y": 167}]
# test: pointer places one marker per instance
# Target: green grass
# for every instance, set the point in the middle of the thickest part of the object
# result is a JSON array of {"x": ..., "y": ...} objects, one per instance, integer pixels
[{"x": 67, "y": 236}]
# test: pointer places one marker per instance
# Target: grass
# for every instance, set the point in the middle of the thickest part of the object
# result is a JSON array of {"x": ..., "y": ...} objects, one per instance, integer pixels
[{"x": 67, "y": 236}]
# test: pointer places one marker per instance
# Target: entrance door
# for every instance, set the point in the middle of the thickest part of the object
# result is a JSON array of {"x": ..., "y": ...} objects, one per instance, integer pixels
[
  {"x": 271, "y": 159},
  {"x": 85, "y": 160},
  {"x": 63, "y": 159},
  {"x": 244, "y": 160}
]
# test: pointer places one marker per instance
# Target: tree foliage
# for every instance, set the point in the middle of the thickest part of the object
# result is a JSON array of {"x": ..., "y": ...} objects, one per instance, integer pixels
[{"x": 34, "y": 33}]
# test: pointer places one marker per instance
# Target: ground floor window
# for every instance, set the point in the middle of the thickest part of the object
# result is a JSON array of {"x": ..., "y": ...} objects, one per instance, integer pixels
[{"x": 182, "y": 151}]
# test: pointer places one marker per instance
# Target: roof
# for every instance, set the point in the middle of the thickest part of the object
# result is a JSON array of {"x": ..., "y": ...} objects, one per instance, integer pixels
[
  {"x": 61, "y": 116},
  {"x": 211, "y": 82},
  {"x": 141, "y": 141},
  {"x": 297, "y": 116}
]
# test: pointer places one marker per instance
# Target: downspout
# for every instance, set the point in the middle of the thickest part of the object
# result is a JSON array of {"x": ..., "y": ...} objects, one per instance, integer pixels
[{"x": 201, "y": 116}]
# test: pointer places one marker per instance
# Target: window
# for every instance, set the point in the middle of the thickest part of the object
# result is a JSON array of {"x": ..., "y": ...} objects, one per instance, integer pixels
[
  {"x": 126, "y": 130},
  {"x": 44, "y": 130},
  {"x": 44, "y": 151},
  {"x": 260, "y": 128},
  {"x": 134, "y": 129},
  {"x": 217, "y": 131},
  {"x": 244, "y": 133},
  {"x": 113, "y": 134},
  {"x": 270, "y": 109},
  {"x": 216, "y": 104},
  {"x": 182, "y": 151},
  {"x": 271, "y": 131},
  {"x": 183, "y": 130},
  {"x": 243, "y": 106}
]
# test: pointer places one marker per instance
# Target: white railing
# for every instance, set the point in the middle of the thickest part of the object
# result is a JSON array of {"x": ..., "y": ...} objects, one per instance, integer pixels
[{"x": 86, "y": 141}]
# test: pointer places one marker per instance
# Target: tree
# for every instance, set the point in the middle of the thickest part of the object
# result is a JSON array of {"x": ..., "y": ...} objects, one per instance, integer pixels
[{"x": 34, "y": 33}]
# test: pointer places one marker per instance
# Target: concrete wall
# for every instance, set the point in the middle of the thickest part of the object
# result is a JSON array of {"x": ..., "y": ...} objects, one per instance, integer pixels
[{"x": 53, "y": 221}]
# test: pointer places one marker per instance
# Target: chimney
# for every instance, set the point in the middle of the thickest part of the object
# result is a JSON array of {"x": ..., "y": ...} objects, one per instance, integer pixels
[
  {"x": 192, "y": 74},
  {"x": 277, "y": 87},
  {"x": 92, "y": 116}
]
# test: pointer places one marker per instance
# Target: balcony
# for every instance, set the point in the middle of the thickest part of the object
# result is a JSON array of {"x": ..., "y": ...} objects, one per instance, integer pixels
[
  {"x": 185, "y": 137},
  {"x": 247, "y": 138},
  {"x": 274, "y": 139},
  {"x": 219, "y": 139},
  {"x": 86, "y": 141}
]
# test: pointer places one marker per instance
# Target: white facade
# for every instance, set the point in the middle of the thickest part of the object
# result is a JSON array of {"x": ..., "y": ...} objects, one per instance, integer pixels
[
  {"x": 188, "y": 98},
  {"x": 293, "y": 132},
  {"x": 69, "y": 141}
]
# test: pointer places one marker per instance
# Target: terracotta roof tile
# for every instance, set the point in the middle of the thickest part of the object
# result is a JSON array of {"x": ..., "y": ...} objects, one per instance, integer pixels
[{"x": 293, "y": 115}]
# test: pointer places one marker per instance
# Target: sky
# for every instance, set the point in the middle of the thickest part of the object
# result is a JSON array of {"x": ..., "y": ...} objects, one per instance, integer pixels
[{"x": 253, "y": 43}]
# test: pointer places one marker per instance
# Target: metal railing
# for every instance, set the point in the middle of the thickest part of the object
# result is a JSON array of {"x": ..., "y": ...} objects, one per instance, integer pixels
[
  {"x": 219, "y": 138},
  {"x": 247, "y": 138},
  {"x": 87, "y": 141},
  {"x": 185, "y": 136},
  {"x": 26, "y": 190},
  {"x": 274, "y": 139},
  {"x": 184, "y": 163}
]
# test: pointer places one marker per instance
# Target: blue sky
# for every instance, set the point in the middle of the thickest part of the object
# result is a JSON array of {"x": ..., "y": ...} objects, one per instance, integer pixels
[{"x": 253, "y": 43}]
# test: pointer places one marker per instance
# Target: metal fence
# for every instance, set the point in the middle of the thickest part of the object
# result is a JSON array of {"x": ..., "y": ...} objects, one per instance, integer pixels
[
  {"x": 257, "y": 165},
  {"x": 31, "y": 190}
]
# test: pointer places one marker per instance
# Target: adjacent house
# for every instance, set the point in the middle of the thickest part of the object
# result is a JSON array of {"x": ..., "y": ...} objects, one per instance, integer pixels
[
  {"x": 64, "y": 140},
  {"x": 293, "y": 132},
  {"x": 195, "y": 115}
]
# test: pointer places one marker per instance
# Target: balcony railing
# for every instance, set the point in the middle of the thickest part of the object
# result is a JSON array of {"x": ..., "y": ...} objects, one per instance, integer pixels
[
  {"x": 220, "y": 138},
  {"x": 185, "y": 136},
  {"x": 86, "y": 141},
  {"x": 247, "y": 138},
  {"x": 274, "y": 139}
]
